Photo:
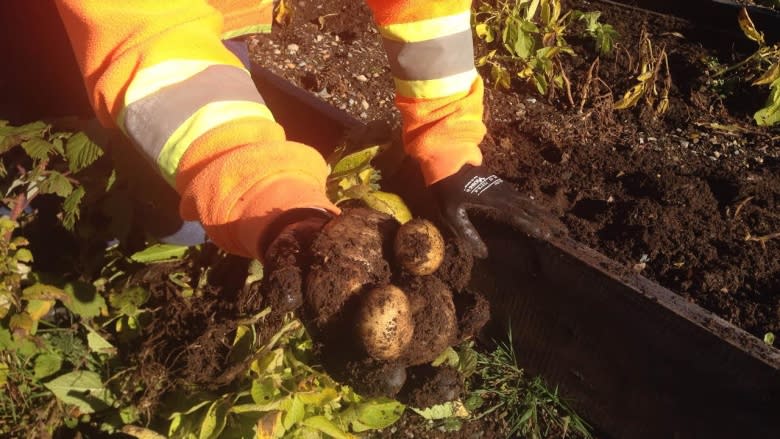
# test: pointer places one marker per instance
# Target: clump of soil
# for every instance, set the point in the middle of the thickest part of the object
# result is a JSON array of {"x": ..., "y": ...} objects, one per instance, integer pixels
[
  {"x": 353, "y": 260},
  {"x": 428, "y": 386}
]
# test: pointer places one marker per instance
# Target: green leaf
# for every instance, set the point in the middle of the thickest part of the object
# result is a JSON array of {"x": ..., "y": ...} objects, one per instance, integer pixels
[
  {"x": 111, "y": 180},
  {"x": 70, "y": 207},
  {"x": 10, "y": 136},
  {"x": 23, "y": 255},
  {"x": 294, "y": 413},
  {"x": 98, "y": 344},
  {"x": 243, "y": 343},
  {"x": 448, "y": 358},
  {"x": 128, "y": 300},
  {"x": 46, "y": 364},
  {"x": 467, "y": 363},
  {"x": 318, "y": 397},
  {"x": 56, "y": 183},
  {"x": 355, "y": 162},
  {"x": 255, "y": 272},
  {"x": 439, "y": 411},
  {"x": 388, "y": 203},
  {"x": 41, "y": 291},
  {"x": 37, "y": 148},
  {"x": 214, "y": 420},
  {"x": 84, "y": 300},
  {"x": 159, "y": 253},
  {"x": 324, "y": 425},
  {"x": 264, "y": 390},
  {"x": 81, "y": 152},
  {"x": 500, "y": 76},
  {"x": 83, "y": 389},
  {"x": 375, "y": 414},
  {"x": 473, "y": 402},
  {"x": 6, "y": 341},
  {"x": 769, "y": 338}
]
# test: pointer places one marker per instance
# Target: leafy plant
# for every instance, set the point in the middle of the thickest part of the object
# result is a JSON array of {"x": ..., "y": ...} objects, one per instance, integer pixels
[
  {"x": 763, "y": 68},
  {"x": 280, "y": 395},
  {"x": 51, "y": 373},
  {"x": 602, "y": 33},
  {"x": 48, "y": 166},
  {"x": 531, "y": 34},
  {"x": 53, "y": 357},
  {"x": 353, "y": 177},
  {"x": 654, "y": 79}
]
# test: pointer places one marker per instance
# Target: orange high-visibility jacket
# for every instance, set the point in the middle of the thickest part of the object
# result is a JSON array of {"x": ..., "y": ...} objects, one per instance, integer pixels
[{"x": 158, "y": 71}]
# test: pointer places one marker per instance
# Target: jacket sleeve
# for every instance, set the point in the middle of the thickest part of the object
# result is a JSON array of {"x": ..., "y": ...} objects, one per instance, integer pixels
[
  {"x": 438, "y": 91},
  {"x": 158, "y": 71}
]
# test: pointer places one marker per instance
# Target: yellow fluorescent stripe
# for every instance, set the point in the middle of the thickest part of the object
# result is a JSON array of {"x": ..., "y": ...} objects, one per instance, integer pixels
[
  {"x": 253, "y": 29},
  {"x": 436, "y": 88},
  {"x": 206, "y": 118},
  {"x": 153, "y": 78},
  {"x": 428, "y": 29}
]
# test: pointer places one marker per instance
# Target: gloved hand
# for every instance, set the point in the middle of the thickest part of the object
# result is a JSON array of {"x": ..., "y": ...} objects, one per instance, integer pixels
[
  {"x": 287, "y": 254},
  {"x": 476, "y": 188}
]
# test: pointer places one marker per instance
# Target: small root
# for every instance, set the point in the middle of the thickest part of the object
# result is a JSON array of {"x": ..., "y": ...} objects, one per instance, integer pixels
[
  {"x": 762, "y": 239},
  {"x": 740, "y": 206}
]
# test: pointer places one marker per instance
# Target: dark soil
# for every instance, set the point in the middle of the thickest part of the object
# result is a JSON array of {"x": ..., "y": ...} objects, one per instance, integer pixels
[
  {"x": 185, "y": 341},
  {"x": 689, "y": 199}
]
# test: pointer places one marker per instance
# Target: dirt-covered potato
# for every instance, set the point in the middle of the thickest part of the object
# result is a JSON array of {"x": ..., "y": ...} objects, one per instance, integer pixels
[
  {"x": 435, "y": 320},
  {"x": 385, "y": 322},
  {"x": 358, "y": 236},
  {"x": 347, "y": 255},
  {"x": 419, "y": 247}
]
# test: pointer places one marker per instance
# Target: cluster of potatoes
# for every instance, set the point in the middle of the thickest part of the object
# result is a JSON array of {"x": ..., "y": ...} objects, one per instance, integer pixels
[{"x": 373, "y": 283}]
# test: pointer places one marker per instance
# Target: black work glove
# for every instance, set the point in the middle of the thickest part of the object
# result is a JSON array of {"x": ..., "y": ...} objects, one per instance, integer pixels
[
  {"x": 476, "y": 188},
  {"x": 287, "y": 255}
]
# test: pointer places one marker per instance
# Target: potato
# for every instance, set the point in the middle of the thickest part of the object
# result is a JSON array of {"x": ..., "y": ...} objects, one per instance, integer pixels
[
  {"x": 357, "y": 236},
  {"x": 419, "y": 247},
  {"x": 385, "y": 322}
]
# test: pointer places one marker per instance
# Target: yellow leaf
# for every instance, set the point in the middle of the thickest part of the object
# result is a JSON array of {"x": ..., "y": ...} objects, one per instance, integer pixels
[
  {"x": 39, "y": 308},
  {"x": 141, "y": 433},
  {"x": 3, "y": 374},
  {"x": 631, "y": 97},
  {"x": 531, "y": 11},
  {"x": 282, "y": 13},
  {"x": 663, "y": 106},
  {"x": 769, "y": 76},
  {"x": 645, "y": 76},
  {"x": 270, "y": 426},
  {"x": 747, "y": 26},
  {"x": 21, "y": 323},
  {"x": 388, "y": 203}
]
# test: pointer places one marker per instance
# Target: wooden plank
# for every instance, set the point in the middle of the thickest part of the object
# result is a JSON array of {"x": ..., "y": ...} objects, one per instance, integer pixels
[{"x": 638, "y": 360}]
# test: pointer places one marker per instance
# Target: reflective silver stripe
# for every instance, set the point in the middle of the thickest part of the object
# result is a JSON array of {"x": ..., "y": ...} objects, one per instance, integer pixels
[
  {"x": 151, "y": 120},
  {"x": 431, "y": 59}
]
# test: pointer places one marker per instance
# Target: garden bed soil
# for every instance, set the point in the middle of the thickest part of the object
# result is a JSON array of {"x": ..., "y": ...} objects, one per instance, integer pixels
[{"x": 688, "y": 199}]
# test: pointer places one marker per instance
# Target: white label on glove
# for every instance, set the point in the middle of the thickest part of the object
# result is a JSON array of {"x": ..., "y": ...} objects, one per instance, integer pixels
[{"x": 478, "y": 185}]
